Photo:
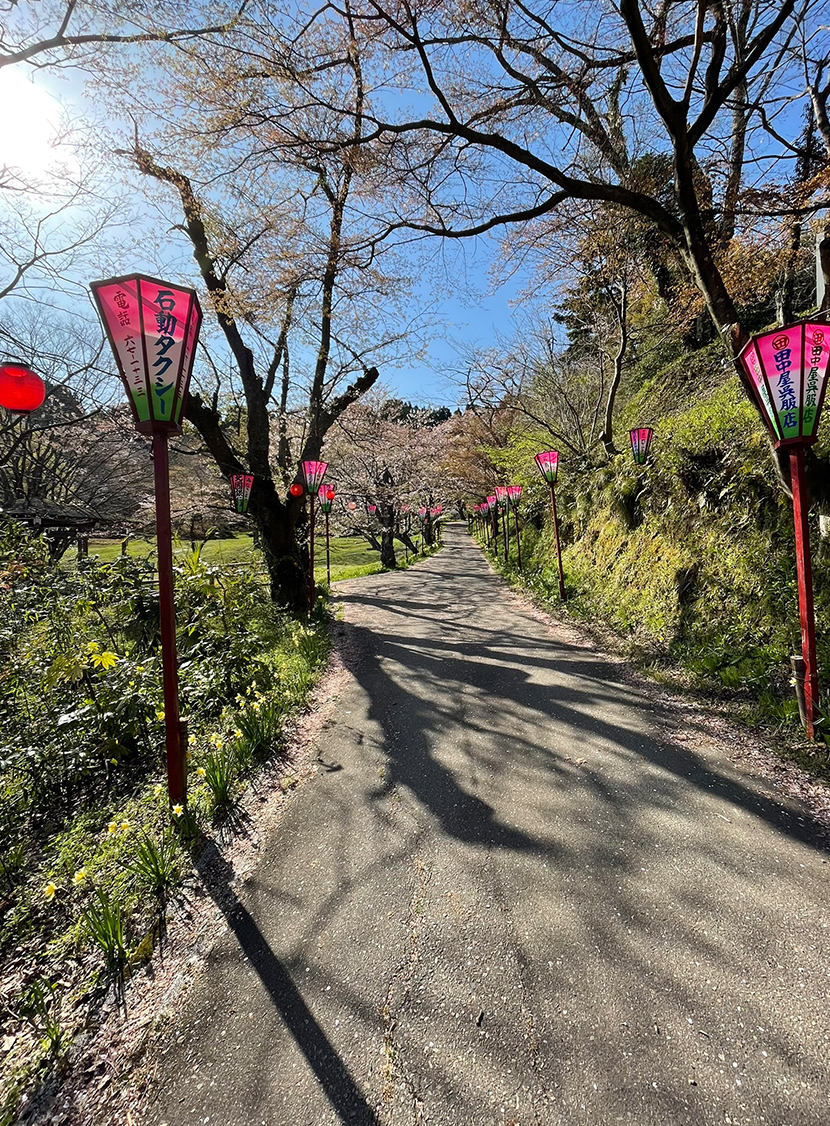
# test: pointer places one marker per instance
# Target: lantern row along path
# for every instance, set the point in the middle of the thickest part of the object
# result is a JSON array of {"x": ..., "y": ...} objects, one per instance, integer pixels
[{"x": 509, "y": 897}]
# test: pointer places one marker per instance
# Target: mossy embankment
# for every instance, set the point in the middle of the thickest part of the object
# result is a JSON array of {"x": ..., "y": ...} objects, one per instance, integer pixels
[{"x": 691, "y": 557}]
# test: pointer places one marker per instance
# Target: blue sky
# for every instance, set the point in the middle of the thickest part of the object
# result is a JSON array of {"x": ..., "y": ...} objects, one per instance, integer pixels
[{"x": 466, "y": 309}]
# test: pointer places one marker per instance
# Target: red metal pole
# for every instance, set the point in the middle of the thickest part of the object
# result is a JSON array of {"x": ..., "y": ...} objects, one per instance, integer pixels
[
  {"x": 518, "y": 538},
  {"x": 558, "y": 547},
  {"x": 805, "y": 586},
  {"x": 311, "y": 558},
  {"x": 176, "y": 782},
  {"x": 505, "y": 529},
  {"x": 328, "y": 557}
]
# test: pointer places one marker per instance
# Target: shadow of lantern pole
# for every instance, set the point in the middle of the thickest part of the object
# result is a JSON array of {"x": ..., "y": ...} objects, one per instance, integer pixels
[
  {"x": 153, "y": 328},
  {"x": 787, "y": 372}
]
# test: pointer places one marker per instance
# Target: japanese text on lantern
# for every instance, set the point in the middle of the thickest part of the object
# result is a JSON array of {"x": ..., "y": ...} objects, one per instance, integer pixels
[
  {"x": 811, "y": 388},
  {"x": 166, "y": 324},
  {"x": 787, "y": 401},
  {"x": 121, "y": 318}
]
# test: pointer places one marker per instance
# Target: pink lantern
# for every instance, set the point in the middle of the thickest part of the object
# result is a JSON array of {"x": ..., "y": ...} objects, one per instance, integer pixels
[
  {"x": 640, "y": 442},
  {"x": 153, "y": 328},
  {"x": 372, "y": 509},
  {"x": 241, "y": 485},
  {"x": 501, "y": 494},
  {"x": 514, "y": 493},
  {"x": 313, "y": 474},
  {"x": 787, "y": 369},
  {"x": 548, "y": 463},
  {"x": 491, "y": 501},
  {"x": 422, "y": 512},
  {"x": 325, "y": 494}
]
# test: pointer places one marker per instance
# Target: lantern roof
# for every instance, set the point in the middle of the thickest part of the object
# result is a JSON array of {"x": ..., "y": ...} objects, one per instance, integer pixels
[
  {"x": 153, "y": 328},
  {"x": 787, "y": 369}
]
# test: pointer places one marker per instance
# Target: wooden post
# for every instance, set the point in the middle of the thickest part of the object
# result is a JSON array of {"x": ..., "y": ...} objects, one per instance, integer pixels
[
  {"x": 518, "y": 537},
  {"x": 558, "y": 546},
  {"x": 176, "y": 782},
  {"x": 311, "y": 557},
  {"x": 805, "y": 587},
  {"x": 328, "y": 556}
]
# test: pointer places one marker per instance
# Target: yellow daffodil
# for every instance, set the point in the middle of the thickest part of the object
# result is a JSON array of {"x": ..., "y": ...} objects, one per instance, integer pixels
[
  {"x": 112, "y": 827},
  {"x": 178, "y": 810},
  {"x": 200, "y": 770},
  {"x": 191, "y": 739},
  {"x": 157, "y": 789},
  {"x": 125, "y": 825},
  {"x": 159, "y": 716},
  {"x": 79, "y": 876},
  {"x": 49, "y": 890},
  {"x": 237, "y": 734}
]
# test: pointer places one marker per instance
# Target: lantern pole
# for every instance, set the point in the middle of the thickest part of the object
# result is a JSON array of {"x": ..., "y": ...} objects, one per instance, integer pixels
[
  {"x": 328, "y": 556},
  {"x": 558, "y": 545},
  {"x": 167, "y": 614},
  {"x": 805, "y": 586},
  {"x": 311, "y": 555},
  {"x": 518, "y": 537}
]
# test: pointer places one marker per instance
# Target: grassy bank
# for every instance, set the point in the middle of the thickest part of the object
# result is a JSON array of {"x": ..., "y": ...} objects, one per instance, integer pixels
[{"x": 690, "y": 559}]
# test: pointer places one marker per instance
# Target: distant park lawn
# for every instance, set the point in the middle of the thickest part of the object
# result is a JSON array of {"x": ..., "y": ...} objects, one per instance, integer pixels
[{"x": 350, "y": 556}]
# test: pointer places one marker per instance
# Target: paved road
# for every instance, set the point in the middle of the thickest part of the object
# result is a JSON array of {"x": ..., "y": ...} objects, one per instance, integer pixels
[{"x": 509, "y": 899}]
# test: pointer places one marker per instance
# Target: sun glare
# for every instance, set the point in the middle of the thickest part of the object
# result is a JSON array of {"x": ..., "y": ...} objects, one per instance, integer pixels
[{"x": 29, "y": 126}]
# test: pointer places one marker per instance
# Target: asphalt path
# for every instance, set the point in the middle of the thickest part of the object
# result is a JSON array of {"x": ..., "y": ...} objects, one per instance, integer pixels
[{"x": 508, "y": 897}]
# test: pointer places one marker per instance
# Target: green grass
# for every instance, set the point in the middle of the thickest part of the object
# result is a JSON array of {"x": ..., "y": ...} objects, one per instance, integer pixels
[
  {"x": 351, "y": 557},
  {"x": 225, "y": 551}
]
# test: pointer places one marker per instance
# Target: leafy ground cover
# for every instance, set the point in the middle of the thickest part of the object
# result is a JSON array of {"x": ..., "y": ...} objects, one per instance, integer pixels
[{"x": 88, "y": 857}]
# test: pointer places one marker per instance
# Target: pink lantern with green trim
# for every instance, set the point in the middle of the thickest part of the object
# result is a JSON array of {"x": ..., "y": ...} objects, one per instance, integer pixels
[
  {"x": 152, "y": 327},
  {"x": 786, "y": 371},
  {"x": 241, "y": 485},
  {"x": 514, "y": 493},
  {"x": 313, "y": 474},
  {"x": 548, "y": 463},
  {"x": 640, "y": 443}
]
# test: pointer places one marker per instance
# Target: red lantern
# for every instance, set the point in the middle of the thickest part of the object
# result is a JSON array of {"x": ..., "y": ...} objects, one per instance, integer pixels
[
  {"x": 21, "y": 389},
  {"x": 296, "y": 489}
]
